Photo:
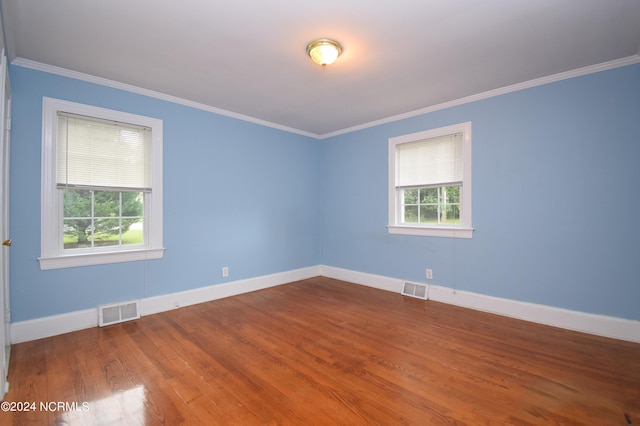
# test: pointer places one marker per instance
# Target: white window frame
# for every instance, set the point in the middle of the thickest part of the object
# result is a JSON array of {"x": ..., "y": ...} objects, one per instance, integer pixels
[
  {"x": 53, "y": 256},
  {"x": 464, "y": 229}
]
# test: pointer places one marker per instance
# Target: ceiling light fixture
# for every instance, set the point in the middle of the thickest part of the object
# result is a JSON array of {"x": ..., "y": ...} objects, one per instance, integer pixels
[{"x": 324, "y": 51}]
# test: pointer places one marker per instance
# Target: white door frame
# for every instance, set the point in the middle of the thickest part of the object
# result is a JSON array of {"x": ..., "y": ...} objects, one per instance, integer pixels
[{"x": 5, "y": 128}]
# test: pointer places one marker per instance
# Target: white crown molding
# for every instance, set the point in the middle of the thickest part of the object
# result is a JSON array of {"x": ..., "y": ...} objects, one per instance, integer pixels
[
  {"x": 26, "y": 63},
  {"x": 630, "y": 60},
  {"x": 63, "y": 72},
  {"x": 600, "y": 325}
]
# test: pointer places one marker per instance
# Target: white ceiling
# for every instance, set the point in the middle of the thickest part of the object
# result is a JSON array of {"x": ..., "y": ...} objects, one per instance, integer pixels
[{"x": 248, "y": 57}]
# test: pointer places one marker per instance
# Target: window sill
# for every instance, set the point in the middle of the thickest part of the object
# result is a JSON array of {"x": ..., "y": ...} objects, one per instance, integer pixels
[
  {"x": 445, "y": 232},
  {"x": 89, "y": 259}
]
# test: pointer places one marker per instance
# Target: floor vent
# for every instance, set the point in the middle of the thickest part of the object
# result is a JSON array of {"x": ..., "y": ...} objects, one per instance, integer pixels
[
  {"x": 415, "y": 290},
  {"x": 119, "y": 312}
]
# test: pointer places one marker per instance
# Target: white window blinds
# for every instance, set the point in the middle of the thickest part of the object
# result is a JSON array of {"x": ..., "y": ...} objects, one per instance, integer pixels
[
  {"x": 430, "y": 162},
  {"x": 93, "y": 154}
]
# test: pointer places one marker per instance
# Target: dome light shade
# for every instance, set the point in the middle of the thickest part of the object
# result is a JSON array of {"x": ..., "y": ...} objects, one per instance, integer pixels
[{"x": 324, "y": 51}]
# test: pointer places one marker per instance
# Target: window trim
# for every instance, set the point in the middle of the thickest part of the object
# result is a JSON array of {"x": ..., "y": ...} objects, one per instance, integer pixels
[
  {"x": 52, "y": 256},
  {"x": 465, "y": 229}
]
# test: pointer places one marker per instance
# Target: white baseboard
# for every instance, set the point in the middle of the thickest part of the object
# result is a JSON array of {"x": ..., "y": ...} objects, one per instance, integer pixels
[
  {"x": 23, "y": 331},
  {"x": 601, "y": 325},
  {"x": 166, "y": 302}
]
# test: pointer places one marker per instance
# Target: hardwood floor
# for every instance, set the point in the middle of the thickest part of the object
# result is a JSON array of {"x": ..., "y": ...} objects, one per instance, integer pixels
[{"x": 319, "y": 352}]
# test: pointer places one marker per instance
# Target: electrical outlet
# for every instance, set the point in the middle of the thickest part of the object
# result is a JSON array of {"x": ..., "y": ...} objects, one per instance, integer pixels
[
  {"x": 429, "y": 274},
  {"x": 225, "y": 272}
]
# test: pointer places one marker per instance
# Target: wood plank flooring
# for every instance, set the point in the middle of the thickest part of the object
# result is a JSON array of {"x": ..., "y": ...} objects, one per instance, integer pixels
[{"x": 324, "y": 352}]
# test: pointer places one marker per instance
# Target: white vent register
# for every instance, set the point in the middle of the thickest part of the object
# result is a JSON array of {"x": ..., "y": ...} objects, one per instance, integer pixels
[
  {"x": 415, "y": 290},
  {"x": 118, "y": 312}
]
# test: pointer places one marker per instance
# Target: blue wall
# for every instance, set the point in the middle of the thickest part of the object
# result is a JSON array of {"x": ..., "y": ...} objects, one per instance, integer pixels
[
  {"x": 236, "y": 194},
  {"x": 555, "y": 177}
]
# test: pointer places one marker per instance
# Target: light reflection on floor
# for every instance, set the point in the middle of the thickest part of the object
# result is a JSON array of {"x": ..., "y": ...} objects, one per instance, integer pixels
[{"x": 127, "y": 407}]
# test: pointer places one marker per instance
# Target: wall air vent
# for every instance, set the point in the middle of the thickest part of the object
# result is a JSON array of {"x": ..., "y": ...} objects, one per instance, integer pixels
[
  {"x": 415, "y": 290},
  {"x": 118, "y": 312}
]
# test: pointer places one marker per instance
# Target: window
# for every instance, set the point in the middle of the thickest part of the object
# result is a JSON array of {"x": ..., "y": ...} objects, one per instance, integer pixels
[
  {"x": 101, "y": 186},
  {"x": 430, "y": 182}
]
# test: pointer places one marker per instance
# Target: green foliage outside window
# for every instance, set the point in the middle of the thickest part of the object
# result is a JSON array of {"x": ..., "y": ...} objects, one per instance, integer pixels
[
  {"x": 435, "y": 205},
  {"x": 102, "y": 218}
]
